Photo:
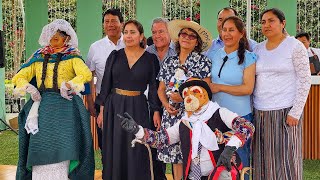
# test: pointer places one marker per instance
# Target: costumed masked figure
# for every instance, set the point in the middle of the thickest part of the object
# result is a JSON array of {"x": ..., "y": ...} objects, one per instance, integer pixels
[
  {"x": 209, "y": 134},
  {"x": 55, "y": 139}
]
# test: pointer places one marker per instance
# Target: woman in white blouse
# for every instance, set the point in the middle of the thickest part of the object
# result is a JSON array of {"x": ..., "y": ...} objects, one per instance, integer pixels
[{"x": 282, "y": 86}]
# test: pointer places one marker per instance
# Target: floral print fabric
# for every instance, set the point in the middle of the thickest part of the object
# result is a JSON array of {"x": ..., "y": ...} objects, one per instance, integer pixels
[{"x": 196, "y": 65}]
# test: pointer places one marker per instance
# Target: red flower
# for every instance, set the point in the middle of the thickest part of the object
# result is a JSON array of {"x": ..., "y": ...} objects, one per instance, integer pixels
[
  {"x": 188, "y": 19},
  {"x": 254, "y": 7},
  {"x": 197, "y": 16},
  {"x": 11, "y": 44},
  {"x": 19, "y": 32}
]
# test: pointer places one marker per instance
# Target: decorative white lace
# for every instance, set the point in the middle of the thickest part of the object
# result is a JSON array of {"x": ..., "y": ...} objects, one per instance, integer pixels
[
  {"x": 59, "y": 24},
  {"x": 283, "y": 77},
  {"x": 302, "y": 68}
]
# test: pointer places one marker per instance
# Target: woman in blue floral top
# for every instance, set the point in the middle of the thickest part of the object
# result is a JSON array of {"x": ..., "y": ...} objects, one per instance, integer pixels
[{"x": 191, "y": 39}]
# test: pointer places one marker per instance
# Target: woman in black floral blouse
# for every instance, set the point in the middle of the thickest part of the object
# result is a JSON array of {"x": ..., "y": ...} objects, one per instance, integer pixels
[{"x": 191, "y": 39}]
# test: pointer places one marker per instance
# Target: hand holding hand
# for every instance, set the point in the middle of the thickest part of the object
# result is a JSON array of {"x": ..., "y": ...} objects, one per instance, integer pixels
[
  {"x": 35, "y": 94},
  {"x": 128, "y": 123},
  {"x": 225, "y": 157}
]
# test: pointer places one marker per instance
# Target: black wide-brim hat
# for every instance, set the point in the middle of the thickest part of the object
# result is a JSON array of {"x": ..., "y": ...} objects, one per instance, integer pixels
[{"x": 195, "y": 82}]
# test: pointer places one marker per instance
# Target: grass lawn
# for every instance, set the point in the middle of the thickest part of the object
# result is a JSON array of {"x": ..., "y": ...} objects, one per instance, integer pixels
[{"x": 9, "y": 156}]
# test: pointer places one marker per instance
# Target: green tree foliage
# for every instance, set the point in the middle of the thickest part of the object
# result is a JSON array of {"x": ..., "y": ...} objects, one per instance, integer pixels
[
  {"x": 13, "y": 36},
  {"x": 308, "y": 15},
  {"x": 257, "y": 7},
  {"x": 127, "y": 7},
  {"x": 13, "y": 27},
  {"x": 308, "y": 19},
  {"x": 177, "y": 9},
  {"x": 63, "y": 9}
]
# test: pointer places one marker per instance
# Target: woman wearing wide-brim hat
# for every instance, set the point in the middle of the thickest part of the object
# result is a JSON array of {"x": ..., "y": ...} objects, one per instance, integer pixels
[{"x": 191, "y": 40}]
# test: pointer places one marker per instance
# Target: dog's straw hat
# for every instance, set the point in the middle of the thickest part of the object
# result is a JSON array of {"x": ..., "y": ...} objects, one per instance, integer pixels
[{"x": 175, "y": 26}]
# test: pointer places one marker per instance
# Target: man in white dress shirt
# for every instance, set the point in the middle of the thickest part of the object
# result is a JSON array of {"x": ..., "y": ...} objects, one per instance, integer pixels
[
  {"x": 99, "y": 52},
  {"x": 313, "y": 53}
]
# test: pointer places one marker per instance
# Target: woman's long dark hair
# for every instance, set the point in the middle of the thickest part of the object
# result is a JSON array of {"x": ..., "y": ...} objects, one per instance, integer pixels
[{"x": 243, "y": 43}]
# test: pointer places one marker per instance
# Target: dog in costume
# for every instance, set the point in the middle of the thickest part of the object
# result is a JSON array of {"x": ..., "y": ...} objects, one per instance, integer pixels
[{"x": 209, "y": 134}]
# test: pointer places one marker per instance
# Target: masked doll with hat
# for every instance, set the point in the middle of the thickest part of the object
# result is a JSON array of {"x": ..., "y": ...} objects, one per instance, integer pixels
[
  {"x": 191, "y": 40},
  {"x": 55, "y": 139},
  {"x": 209, "y": 134}
]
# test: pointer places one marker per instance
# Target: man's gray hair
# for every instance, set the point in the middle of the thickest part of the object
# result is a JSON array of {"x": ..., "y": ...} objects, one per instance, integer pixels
[{"x": 160, "y": 20}]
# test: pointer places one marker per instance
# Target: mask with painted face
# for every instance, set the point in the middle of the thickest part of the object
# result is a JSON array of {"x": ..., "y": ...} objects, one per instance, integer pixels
[{"x": 195, "y": 93}]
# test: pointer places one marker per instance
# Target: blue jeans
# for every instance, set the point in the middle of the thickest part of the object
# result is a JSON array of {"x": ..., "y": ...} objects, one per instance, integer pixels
[{"x": 245, "y": 151}]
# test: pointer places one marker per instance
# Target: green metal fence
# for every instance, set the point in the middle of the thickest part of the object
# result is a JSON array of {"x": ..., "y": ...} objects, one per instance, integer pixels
[
  {"x": 14, "y": 35},
  {"x": 181, "y": 9},
  {"x": 308, "y": 15},
  {"x": 63, "y": 9},
  {"x": 308, "y": 19},
  {"x": 250, "y": 11},
  {"x": 127, "y": 7}
]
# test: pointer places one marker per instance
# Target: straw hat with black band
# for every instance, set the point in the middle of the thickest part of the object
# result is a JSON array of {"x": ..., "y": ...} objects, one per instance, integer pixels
[{"x": 175, "y": 26}]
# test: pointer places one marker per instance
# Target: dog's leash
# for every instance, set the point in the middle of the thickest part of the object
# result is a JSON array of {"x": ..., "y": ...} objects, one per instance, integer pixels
[{"x": 133, "y": 144}]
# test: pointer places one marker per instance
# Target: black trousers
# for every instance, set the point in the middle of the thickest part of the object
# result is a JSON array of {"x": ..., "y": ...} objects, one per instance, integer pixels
[{"x": 159, "y": 168}]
